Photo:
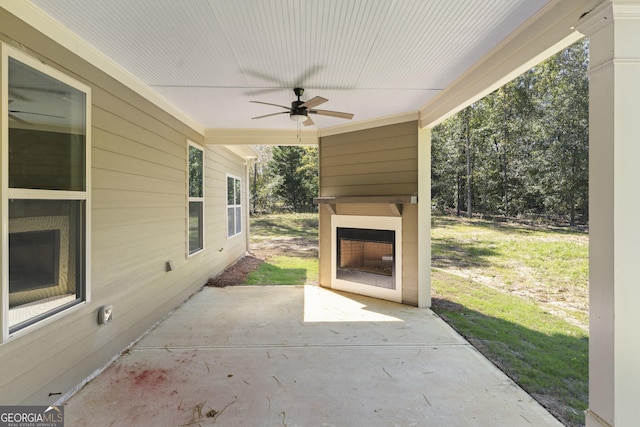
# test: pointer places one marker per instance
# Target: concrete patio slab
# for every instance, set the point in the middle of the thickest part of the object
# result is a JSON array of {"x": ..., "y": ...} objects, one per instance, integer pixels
[{"x": 302, "y": 356}]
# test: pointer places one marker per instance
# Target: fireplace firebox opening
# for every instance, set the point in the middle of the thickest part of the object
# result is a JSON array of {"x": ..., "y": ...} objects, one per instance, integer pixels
[{"x": 366, "y": 256}]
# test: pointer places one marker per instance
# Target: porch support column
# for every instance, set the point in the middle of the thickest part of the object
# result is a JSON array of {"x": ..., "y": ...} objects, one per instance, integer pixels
[
  {"x": 614, "y": 207},
  {"x": 424, "y": 217}
]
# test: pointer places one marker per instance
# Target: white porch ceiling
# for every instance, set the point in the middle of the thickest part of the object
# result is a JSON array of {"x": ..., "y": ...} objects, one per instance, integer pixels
[{"x": 373, "y": 58}]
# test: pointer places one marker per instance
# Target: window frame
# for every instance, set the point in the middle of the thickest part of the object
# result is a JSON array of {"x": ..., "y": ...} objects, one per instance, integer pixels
[
  {"x": 195, "y": 199},
  {"x": 83, "y": 295},
  {"x": 236, "y": 207}
]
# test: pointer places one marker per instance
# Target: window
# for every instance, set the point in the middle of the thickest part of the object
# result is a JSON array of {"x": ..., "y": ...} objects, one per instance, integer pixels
[
  {"x": 234, "y": 206},
  {"x": 196, "y": 199},
  {"x": 47, "y": 193}
]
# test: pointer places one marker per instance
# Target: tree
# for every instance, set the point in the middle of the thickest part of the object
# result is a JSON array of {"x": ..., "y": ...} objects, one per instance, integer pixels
[
  {"x": 564, "y": 89},
  {"x": 522, "y": 150},
  {"x": 263, "y": 199},
  {"x": 295, "y": 170}
]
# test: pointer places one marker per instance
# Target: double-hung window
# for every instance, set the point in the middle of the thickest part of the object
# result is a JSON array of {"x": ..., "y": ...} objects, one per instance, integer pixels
[
  {"x": 45, "y": 183},
  {"x": 196, "y": 199},
  {"x": 234, "y": 206}
]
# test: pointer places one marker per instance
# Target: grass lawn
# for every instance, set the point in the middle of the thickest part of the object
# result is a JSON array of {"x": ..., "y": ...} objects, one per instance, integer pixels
[
  {"x": 544, "y": 264},
  {"x": 540, "y": 351},
  {"x": 520, "y": 295},
  {"x": 285, "y": 270},
  {"x": 265, "y": 227},
  {"x": 283, "y": 241}
]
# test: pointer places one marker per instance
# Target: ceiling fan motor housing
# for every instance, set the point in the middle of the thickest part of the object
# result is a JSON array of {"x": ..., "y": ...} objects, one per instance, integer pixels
[{"x": 297, "y": 111}]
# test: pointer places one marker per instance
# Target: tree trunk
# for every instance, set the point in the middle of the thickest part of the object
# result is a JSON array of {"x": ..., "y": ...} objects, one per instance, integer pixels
[
  {"x": 458, "y": 192},
  {"x": 469, "y": 191},
  {"x": 468, "y": 146}
]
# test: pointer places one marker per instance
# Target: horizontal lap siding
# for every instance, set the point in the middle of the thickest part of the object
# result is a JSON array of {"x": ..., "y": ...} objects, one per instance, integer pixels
[
  {"x": 378, "y": 161},
  {"x": 138, "y": 223},
  {"x": 221, "y": 162}
]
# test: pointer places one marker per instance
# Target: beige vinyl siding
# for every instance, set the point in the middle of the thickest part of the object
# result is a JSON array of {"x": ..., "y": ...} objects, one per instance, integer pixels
[
  {"x": 381, "y": 161},
  {"x": 410, "y": 254},
  {"x": 378, "y": 161},
  {"x": 138, "y": 223}
]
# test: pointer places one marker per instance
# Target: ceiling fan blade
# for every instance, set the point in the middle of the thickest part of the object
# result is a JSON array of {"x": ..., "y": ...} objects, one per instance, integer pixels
[
  {"x": 269, "y": 115},
  {"x": 308, "y": 122},
  {"x": 268, "y": 103},
  {"x": 18, "y": 119},
  {"x": 60, "y": 92},
  {"x": 35, "y": 114},
  {"x": 317, "y": 100},
  {"x": 338, "y": 114}
]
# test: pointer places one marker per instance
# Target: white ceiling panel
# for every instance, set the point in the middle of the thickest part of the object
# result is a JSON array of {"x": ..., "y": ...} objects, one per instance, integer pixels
[{"x": 373, "y": 58}]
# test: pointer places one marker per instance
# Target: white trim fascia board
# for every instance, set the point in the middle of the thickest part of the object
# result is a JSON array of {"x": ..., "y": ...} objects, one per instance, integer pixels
[
  {"x": 234, "y": 136},
  {"x": 626, "y": 10},
  {"x": 595, "y": 19},
  {"x": 247, "y": 152},
  {"x": 600, "y": 16},
  {"x": 546, "y": 33},
  {"x": 369, "y": 124},
  {"x": 4, "y": 196},
  {"x": 51, "y": 28}
]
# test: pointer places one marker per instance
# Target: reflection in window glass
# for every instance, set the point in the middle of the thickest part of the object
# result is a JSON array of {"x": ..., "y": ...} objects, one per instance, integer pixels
[
  {"x": 196, "y": 199},
  {"x": 237, "y": 192},
  {"x": 230, "y": 191},
  {"x": 234, "y": 206},
  {"x": 195, "y": 172},
  {"x": 231, "y": 221},
  {"x": 47, "y": 131},
  {"x": 46, "y": 151},
  {"x": 46, "y": 262},
  {"x": 195, "y": 226}
]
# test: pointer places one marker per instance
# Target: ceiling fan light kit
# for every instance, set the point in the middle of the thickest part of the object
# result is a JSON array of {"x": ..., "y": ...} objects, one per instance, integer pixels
[
  {"x": 300, "y": 110},
  {"x": 298, "y": 117}
]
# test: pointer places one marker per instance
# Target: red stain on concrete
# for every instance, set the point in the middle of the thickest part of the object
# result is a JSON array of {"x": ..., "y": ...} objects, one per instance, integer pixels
[{"x": 150, "y": 377}]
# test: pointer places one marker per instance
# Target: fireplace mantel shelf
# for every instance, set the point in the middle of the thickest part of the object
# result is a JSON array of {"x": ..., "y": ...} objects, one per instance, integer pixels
[{"x": 395, "y": 202}]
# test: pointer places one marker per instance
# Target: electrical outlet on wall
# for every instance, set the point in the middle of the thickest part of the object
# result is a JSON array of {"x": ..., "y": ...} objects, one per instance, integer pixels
[{"x": 105, "y": 314}]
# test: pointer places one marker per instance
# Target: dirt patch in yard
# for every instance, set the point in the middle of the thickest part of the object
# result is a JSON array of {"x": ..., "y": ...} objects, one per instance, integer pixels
[
  {"x": 302, "y": 247},
  {"x": 236, "y": 273}
]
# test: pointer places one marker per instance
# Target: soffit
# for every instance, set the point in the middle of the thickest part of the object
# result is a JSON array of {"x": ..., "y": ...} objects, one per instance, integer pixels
[{"x": 373, "y": 58}]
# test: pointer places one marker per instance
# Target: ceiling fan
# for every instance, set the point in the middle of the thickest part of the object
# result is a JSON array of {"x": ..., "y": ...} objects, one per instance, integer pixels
[{"x": 300, "y": 110}]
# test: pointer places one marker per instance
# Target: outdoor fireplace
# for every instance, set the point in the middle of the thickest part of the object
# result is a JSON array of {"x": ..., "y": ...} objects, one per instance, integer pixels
[{"x": 366, "y": 256}]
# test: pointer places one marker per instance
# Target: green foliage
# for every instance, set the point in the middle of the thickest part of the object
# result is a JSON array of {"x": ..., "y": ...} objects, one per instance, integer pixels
[
  {"x": 285, "y": 179},
  {"x": 522, "y": 150},
  {"x": 296, "y": 166},
  {"x": 195, "y": 171}
]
